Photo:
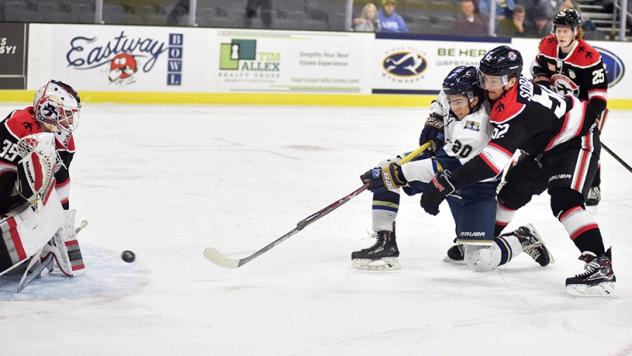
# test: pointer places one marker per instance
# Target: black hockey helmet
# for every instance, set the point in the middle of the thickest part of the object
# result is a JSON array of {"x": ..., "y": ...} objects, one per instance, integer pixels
[
  {"x": 462, "y": 80},
  {"x": 568, "y": 17},
  {"x": 502, "y": 61}
]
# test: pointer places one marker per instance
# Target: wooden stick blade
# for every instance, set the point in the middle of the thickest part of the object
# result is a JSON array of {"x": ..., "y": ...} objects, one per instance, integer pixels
[{"x": 217, "y": 258}]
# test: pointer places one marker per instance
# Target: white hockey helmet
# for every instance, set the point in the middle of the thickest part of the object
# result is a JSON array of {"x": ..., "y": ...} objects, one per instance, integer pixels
[{"x": 56, "y": 106}]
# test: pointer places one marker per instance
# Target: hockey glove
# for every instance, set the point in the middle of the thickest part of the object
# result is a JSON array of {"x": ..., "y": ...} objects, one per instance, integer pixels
[
  {"x": 387, "y": 177},
  {"x": 439, "y": 187},
  {"x": 433, "y": 130}
]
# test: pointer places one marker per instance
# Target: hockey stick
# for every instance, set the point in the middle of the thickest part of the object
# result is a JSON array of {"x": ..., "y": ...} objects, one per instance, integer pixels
[
  {"x": 614, "y": 155},
  {"x": 219, "y": 259}
]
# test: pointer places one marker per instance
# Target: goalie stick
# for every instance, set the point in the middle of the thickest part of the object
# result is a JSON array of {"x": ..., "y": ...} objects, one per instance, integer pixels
[{"x": 219, "y": 259}]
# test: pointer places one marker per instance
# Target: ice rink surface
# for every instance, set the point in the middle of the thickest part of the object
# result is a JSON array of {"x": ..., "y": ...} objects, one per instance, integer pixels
[{"x": 168, "y": 181}]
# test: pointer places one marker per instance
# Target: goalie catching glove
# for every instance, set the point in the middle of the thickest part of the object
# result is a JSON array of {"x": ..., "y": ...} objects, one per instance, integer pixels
[
  {"x": 387, "y": 177},
  {"x": 440, "y": 187}
]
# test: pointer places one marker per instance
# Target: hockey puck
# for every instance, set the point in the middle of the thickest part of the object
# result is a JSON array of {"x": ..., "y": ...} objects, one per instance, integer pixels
[{"x": 128, "y": 256}]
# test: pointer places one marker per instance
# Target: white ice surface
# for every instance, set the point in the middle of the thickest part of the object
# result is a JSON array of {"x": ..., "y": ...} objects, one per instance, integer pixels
[{"x": 166, "y": 182}]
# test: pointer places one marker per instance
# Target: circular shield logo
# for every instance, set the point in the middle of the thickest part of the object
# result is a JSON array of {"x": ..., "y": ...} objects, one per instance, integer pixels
[
  {"x": 405, "y": 63},
  {"x": 615, "y": 69}
]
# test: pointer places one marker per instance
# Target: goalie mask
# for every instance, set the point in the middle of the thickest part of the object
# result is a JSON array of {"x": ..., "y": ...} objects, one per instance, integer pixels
[{"x": 56, "y": 106}]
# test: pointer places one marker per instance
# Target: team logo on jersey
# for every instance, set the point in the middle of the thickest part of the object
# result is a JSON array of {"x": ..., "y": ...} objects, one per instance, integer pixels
[
  {"x": 564, "y": 85},
  {"x": 404, "y": 65},
  {"x": 615, "y": 68},
  {"x": 472, "y": 125}
]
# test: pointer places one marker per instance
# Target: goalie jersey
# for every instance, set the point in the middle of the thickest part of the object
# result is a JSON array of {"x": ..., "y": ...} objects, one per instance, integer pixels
[{"x": 15, "y": 126}]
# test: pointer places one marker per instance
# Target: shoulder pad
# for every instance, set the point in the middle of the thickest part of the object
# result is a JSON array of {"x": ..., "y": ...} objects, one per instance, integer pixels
[
  {"x": 548, "y": 46},
  {"x": 22, "y": 123},
  {"x": 584, "y": 55},
  {"x": 507, "y": 107}
]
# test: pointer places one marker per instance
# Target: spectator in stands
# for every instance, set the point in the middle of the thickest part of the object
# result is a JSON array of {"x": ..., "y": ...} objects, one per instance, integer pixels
[
  {"x": 389, "y": 20},
  {"x": 589, "y": 27},
  {"x": 542, "y": 25},
  {"x": 566, "y": 4},
  {"x": 546, "y": 8},
  {"x": 470, "y": 21},
  {"x": 265, "y": 12},
  {"x": 181, "y": 8},
  {"x": 514, "y": 26},
  {"x": 367, "y": 22},
  {"x": 504, "y": 8}
]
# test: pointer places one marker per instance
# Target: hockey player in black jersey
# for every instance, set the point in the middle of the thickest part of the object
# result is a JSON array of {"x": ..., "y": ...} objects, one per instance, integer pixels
[
  {"x": 569, "y": 65},
  {"x": 459, "y": 125},
  {"x": 561, "y": 154}
]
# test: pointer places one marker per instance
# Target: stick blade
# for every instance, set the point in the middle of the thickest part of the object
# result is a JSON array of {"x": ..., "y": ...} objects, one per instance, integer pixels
[{"x": 217, "y": 258}]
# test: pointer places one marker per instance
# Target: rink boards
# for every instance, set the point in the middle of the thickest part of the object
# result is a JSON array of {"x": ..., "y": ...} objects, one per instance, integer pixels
[{"x": 186, "y": 65}]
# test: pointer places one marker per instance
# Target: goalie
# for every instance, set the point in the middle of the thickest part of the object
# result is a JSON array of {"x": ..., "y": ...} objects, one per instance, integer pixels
[
  {"x": 459, "y": 125},
  {"x": 36, "y": 149}
]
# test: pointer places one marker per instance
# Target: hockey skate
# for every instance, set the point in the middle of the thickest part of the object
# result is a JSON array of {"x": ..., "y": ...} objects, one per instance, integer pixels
[
  {"x": 598, "y": 278},
  {"x": 594, "y": 196},
  {"x": 455, "y": 254},
  {"x": 533, "y": 245},
  {"x": 382, "y": 256}
]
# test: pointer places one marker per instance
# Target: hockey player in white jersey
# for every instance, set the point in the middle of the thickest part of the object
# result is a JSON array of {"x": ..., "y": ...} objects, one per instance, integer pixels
[{"x": 460, "y": 128}]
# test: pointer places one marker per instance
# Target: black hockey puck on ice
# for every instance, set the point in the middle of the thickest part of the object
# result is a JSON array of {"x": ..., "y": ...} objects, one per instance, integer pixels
[{"x": 128, "y": 256}]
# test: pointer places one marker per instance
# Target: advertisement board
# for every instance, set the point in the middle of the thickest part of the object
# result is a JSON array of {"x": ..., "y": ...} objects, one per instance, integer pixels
[
  {"x": 13, "y": 49},
  {"x": 283, "y": 61},
  {"x": 418, "y": 65},
  {"x": 121, "y": 58}
]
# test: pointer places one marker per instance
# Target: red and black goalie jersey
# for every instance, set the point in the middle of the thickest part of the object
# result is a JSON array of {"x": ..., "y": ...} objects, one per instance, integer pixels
[{"x": 19, "y": 124}]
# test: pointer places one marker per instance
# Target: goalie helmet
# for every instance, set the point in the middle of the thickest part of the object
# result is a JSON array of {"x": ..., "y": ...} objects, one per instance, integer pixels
[
  {"x": 462, "y": 80},
  {"x": 56, "y": 106}
]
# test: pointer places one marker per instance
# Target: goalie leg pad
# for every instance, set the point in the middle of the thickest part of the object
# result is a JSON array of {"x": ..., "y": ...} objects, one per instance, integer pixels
[
  {"x": 65, "y": 249},
  {"x": 23, "y": 233}
]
